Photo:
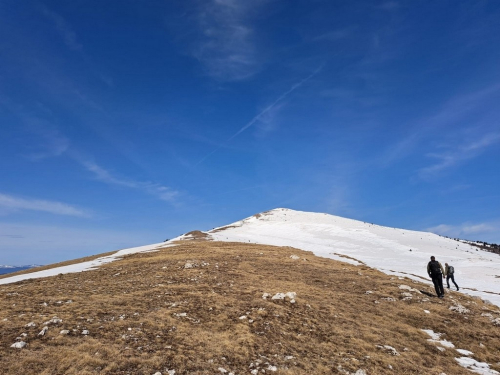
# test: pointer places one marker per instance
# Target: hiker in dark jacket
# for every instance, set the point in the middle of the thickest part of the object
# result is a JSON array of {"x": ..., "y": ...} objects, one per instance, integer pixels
[
  {"x": 436, "y": 273},
  {"x": 449, "y": 272}
]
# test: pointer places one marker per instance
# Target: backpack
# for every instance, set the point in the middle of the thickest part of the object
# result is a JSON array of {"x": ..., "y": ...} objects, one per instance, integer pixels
[
  {"x": 451, "y": 270},
  {"x": 434, "y": 267}
]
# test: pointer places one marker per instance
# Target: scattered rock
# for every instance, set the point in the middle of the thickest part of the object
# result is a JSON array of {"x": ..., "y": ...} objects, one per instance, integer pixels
[
  {"x": 388, "y": 299},
  {"x": 64, "y": 332},
  {"x": 18, "y": 345},
  {"x": 459, "y": 309},
  {"x": 54, "y": 320},
  {"x": 279, "y": 296},
  {"x": 43, "y": 331},
  {"x": 389, "y": 349},
  {"x": 294, "y": 257},
  {"x": 409, "y": 288},
  {"x": 30, "y": 324},
  {"x": 85, "y": 332}
]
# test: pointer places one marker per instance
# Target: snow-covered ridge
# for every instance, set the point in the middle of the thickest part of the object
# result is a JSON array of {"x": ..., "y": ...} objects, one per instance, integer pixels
[
  {"x": 84, "y": 266},
  {"x": 393, "y": 251}
]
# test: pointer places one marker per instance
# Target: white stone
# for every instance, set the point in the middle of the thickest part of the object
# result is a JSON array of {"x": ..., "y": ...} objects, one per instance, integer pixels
[
  {"x": 18, "y": 345},
  {"x": 278, "y": 296},
  {"x": 85, "y": 332},
  {"x": 295, "y": 257},
  {"x": 43, "y": 331},
  {"x": 272, "y": 368},
  {"x": 265, "y": 295},
  {"x": 291, "y": 295},
  {"x": 30, "y": 324},
  {"x": 388, "y": 348},
  {"x": 64, "y": 332},
  {"x": 459, "y": 309}
]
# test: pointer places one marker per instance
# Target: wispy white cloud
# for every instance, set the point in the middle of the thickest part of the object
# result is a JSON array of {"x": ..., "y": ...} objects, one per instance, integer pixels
[
  {"x": 335, "y": 35},
  {"x": 458, "y": 154},
  {"x": 458, "y": 109},
  {"x": 467, "y": 230},
  {"x": 389, "y": 5},
  {"x": 227, "y": 47},
  {"x": 64, "y": 29},
  {"x": 15, "y": 203},
  {"x": 51, "y": 144},
  {"x": 265, "y": 111},
  {"x": 164, "y": 193}
]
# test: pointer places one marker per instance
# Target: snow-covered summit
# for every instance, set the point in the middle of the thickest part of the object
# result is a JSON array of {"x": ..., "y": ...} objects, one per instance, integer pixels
[{"x": 394, "y": 251}]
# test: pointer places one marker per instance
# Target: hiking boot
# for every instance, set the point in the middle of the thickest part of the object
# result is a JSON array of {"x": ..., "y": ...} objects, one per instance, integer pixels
[{"x": 458, "y": 288}]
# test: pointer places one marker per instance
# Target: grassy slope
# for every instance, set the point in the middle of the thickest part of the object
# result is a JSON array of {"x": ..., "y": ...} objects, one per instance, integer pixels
[{"x": 134, "y": 310}]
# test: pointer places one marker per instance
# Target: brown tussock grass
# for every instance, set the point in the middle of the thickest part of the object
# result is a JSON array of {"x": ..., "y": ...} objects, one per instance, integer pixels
[{"x": 148, "y": 313}]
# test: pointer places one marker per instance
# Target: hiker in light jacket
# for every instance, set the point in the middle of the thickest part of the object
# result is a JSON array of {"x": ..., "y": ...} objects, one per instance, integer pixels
[
  {"x": 436, "y": 273},
  {"x": 449, "y": 272}
]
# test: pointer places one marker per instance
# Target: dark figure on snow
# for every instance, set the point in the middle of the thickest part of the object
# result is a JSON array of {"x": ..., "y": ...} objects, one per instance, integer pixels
[
  {"x": 436, "y": 273},
  {"x": 449, "y": 272}
]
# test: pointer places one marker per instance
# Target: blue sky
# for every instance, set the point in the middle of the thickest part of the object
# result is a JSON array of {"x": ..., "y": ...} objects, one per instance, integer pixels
[{"x": 125, "y": 123}]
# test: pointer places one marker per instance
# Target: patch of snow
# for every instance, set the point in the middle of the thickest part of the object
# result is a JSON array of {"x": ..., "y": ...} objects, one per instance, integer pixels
[
  {"x": 475, "y": 366},
  {"x": 465, "y": 352},
  {"x": 436, "y": 338}
]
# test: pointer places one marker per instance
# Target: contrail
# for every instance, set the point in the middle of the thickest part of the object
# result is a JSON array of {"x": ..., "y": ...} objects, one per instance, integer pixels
[{"x": 264, "y": 111}]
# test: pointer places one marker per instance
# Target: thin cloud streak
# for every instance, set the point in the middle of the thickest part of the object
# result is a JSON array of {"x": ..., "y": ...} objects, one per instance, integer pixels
[
  {"x": 57, "y": 208},
  {"x": 228, "y": 50},
  {"x": 466, "y": 229},
  {"x": 63, "y": 28},
  {"x": 263, "y": 112},
  {"x": 460, "y": 154},
  {"x": 164, "y": 193},
  {"x": 453, "y": 111}
]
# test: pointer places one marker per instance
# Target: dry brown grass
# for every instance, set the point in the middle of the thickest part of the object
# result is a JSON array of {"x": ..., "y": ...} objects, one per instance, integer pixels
[{"x": 148, "y": 313}]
